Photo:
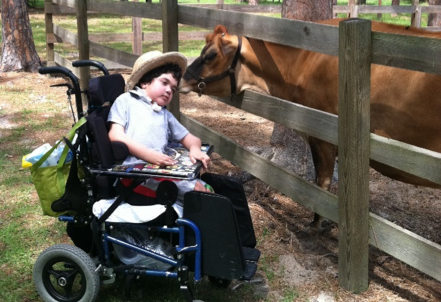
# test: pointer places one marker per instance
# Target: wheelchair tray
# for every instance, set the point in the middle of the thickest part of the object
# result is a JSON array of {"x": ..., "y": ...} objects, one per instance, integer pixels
[{"x": 183, "y": 169}]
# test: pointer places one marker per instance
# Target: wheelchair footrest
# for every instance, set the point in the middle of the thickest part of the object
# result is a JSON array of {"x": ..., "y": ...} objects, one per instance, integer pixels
[
  {"x": 250, "y": 270},
  {"x": 251, "y": 254}
]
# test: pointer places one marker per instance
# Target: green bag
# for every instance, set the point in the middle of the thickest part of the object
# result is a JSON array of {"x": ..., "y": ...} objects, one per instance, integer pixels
[{"x": 50, "y": 182}]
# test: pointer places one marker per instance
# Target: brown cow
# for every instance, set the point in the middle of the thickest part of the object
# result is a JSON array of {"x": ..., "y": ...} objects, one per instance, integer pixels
[{"x": 405, "y": 105}]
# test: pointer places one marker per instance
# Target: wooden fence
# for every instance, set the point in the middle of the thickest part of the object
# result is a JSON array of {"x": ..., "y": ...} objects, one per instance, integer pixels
[{"x": 350, "y": 208}]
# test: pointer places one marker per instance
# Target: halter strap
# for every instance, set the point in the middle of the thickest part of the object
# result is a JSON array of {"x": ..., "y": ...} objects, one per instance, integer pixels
[{"x": 202, "y": 82}]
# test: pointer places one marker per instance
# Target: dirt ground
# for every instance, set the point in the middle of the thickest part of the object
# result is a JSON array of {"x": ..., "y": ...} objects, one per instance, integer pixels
[{"x": 296, "y": 264}]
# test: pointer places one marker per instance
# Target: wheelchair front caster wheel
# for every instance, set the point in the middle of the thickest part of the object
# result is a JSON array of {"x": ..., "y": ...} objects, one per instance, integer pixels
[{"x": 66, "y": 273}]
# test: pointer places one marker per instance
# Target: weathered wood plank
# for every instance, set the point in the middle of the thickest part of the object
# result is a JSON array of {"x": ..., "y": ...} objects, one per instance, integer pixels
[
  {"x": 394, "y": 9},
  {"x": 127, "y": 37},
  {"x": 121, "y": 57},
  {"x": 313, "y": 122},
  {"x": 68, "y": 3},
  {"x": 418, "y": 161},
  {"x": 242, "y": 8},
  {"x": 410, "y": 52},
  {"x": 303, "y": 192},
  {"x": 130, "y": 9},
  {"x": 354, "y": 67},
  {"x": 65, "y": 35},
  {"x": 306, "y": 35},
  {"x": 415, "y": 53},
  {"x": 406, "y": 246},
  {"x": 56, "y": 9},
  {"x": 64, "y": 62},
  {"x": 436, "y": 9},
  {"x": 341, "y": 9}
]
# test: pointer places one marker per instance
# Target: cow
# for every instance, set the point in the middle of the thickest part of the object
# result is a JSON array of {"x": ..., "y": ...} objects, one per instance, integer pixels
[{"x": 405, "y": 105}]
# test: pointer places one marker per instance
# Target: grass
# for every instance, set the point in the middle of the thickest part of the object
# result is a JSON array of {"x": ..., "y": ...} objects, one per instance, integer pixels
[{"x": 27, "y": 119}]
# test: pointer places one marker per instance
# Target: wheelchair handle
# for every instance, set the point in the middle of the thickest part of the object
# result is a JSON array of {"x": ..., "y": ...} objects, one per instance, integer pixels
[
  {"x": 93, "y": 63},
  {"x": 73, "y": 78}
]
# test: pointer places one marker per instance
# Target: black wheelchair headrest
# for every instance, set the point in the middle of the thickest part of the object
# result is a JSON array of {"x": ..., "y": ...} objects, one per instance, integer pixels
[{"x": 105, "y": 89}]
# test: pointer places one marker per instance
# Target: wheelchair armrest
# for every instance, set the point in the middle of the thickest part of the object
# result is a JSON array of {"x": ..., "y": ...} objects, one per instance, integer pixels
[{"x": 120, "y": 150}]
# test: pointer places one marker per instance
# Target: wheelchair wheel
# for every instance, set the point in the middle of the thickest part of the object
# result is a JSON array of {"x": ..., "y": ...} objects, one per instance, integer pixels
[
  {"x": 65, "y": 273},
  {"x": 219, "y": 282}
]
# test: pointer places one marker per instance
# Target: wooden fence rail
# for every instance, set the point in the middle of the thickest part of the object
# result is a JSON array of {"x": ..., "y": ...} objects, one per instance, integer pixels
[{"x": 413, "y": 53}]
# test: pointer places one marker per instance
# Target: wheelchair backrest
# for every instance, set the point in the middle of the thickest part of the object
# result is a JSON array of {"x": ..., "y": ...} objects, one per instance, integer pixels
[
  {"x": 105, "y": 89},
  {"x": 102, "y": 92}
]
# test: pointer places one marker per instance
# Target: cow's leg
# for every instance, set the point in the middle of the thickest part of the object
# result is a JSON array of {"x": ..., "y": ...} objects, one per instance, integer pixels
[{"x": 323, "y": 155}]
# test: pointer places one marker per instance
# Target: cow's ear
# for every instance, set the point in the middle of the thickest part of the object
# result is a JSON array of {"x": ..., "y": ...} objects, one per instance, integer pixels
[{"x": 220, "y": 29}]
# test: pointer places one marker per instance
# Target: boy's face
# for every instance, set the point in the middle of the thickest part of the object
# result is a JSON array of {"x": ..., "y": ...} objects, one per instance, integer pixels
[{"x": 161, "y": 89}]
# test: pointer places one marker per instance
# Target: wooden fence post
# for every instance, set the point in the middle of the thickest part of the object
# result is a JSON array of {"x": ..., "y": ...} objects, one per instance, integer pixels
[
  {"x": 415, "y": 20},
  {"x": 353, "y": 9},
  {"x": 170, "y": 41},
  {"x": 353, "y": 153},
  {"x": 83, "y": 44},
  {"x": 50, "y": 53},
  {"x": 137, "y": 34}
]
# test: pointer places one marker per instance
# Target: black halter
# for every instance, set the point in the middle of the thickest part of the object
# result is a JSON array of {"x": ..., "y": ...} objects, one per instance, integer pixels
[{"x": 202, "y": 82}]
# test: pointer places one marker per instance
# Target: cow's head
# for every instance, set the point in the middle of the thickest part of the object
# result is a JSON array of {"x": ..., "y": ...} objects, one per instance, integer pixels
[{"x": 214, "y": 71}]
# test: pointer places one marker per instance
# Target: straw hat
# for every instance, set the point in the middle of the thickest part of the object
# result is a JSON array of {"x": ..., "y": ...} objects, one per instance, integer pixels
[{"x": 152, "y": 59}]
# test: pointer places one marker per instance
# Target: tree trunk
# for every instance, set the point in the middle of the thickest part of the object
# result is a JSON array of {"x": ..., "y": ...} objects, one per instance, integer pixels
[
  {"x": 395, "y": 2},
  {"x": 434, "y": 19},
  {"x": 18, "y": 48},
  {"x": 307, "y": 10}
]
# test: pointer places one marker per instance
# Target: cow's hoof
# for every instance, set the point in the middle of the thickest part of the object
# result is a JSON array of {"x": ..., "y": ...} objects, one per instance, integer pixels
[{"x": 318, "y": 227}]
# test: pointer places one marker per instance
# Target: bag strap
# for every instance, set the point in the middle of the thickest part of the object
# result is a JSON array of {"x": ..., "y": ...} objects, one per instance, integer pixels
[
  {"x": 123, "y": 195},
  {"x": 70, "y": 136}
]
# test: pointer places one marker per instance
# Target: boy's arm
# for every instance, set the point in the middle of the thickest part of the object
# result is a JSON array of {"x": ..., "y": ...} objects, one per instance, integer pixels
[
  {"x": 193, "y": 144},
  {"x": 117, "y": 133}
]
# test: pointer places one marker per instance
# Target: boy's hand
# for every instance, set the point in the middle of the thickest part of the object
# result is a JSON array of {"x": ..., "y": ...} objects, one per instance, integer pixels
[
  {"x": 197, "y": 154},
  {"x": 162, "y": 159}
]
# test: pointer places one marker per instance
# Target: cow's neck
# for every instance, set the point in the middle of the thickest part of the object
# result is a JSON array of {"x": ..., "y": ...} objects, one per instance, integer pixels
[{"x": 267, "y": 68}]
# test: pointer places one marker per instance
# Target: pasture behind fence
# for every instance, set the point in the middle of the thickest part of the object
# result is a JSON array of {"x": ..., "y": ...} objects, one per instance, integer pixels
[{"x": 415, "y": 53}]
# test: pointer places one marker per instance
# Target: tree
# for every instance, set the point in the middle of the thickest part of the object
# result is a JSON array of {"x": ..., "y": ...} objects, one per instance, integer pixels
[
  {"x": 307, "y": 10},
  {"x": 18, "y": 48},
  {"x": 434, "y": 19}
]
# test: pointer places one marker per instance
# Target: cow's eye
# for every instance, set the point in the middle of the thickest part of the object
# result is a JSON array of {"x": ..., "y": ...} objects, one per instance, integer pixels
[{"x": 210, "y": 57}]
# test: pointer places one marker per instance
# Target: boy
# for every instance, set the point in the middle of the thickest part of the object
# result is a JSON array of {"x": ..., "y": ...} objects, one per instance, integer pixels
[
  {"x": 139, "y": 117},
  {"x": 140, "y": 120}
]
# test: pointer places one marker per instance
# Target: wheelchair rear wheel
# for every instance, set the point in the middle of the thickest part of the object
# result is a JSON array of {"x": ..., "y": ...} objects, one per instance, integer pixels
[{"x": 65, "y": 273}]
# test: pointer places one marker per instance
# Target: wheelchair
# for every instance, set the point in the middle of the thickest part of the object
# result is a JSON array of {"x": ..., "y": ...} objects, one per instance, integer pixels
[{"x": 207, "y": 240}]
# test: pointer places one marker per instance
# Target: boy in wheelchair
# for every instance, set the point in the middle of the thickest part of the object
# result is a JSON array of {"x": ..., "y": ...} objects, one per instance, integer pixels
[{"x": 139, "y": 120}]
